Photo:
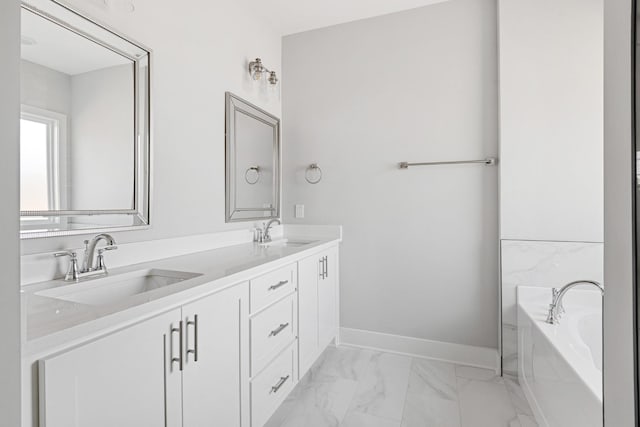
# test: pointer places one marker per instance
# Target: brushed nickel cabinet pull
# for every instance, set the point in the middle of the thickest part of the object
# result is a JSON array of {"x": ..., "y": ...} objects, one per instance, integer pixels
[
  {"x": 278, "y": 285},
  {"x": 326, "y": 266},
  {"x": 276, "y": 387},
  {"x": 179, "y": 358},
  {"x": 322, "y": 268},
  {"x": 193, "y": 351},
  {"x": 279, "y": 329}
]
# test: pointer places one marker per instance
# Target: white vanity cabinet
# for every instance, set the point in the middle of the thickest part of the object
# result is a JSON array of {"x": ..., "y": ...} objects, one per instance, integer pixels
[
  {"x": 318, "y": 305},
  {"x": 216, "y": 352},
  {"x": 184, "y": 368},
  {"x": 229, "y": 358},
  {"x": 117, "y": 380},
  {"x": 274, "y": 346}
]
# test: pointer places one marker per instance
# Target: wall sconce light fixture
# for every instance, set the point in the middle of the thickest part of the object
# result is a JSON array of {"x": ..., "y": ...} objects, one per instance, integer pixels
[{"x": 257, "y": 69}]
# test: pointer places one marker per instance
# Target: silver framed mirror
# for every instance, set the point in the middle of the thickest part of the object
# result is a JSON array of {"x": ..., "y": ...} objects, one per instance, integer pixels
[
  {"x": 85, "y": 137},
  {"x": 252, "y": 141}
]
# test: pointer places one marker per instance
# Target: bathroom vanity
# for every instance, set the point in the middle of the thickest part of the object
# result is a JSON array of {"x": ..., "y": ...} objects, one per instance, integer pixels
[
  {"x": 218, "y": 337},
  {"x": 194, "y": 331}
]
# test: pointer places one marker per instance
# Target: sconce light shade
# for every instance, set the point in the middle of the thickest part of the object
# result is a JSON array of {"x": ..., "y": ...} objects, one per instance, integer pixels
[
  {"x": 273, "y": 79},
  {"x": 257, "y": 69}
]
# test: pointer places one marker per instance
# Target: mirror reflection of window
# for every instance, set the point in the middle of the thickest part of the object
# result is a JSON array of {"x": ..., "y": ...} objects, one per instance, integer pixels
[{"x": 41, "y": 134}]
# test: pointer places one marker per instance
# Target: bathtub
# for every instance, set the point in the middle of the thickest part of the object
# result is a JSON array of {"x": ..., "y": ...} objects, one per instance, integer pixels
[{"x": 560, "y": 366}]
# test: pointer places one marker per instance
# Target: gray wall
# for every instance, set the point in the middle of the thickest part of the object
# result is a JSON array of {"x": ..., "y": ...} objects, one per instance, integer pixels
[
  {"x": 618, "y": 231},
  {"x": 45, "y": 88},
  {"x": 419, "y": 256},
  {"x": 101, "y": 160},
  {"x": 9, "y": 188}
]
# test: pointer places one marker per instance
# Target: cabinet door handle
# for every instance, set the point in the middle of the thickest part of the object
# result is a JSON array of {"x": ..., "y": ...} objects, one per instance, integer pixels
[
  {"x": 279, "y": 329},
  {"x": 276, "y": 387},
  {"x": 322, "y": 268},
  {"x": 179, "y": 358},
  {"x": 278, "y": 285},
  {"x": 193, "y": 351},
  {"x": 326, "y": 266}
]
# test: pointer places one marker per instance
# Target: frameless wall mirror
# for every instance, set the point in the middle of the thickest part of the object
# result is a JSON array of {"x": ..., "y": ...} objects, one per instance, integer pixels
[
  {"x": 252, "y": 162},
  {"x": 84, "y": 125}
]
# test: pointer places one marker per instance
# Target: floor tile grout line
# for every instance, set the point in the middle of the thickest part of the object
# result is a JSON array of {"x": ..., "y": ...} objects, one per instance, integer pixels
[
  {"x": 458, "y": 397},
  {"x": 406, "y": 394}
]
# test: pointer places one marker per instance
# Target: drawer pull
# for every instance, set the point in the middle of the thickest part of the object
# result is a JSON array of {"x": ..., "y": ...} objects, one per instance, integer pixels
[
  {"x": 276, "y": 387},
  {"x": 278, "y": 285},
  {"x": 279, "y": 329}
]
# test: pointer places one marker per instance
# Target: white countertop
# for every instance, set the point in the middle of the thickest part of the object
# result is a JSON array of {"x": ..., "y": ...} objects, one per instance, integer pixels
[{"x": 52, "y": 323}]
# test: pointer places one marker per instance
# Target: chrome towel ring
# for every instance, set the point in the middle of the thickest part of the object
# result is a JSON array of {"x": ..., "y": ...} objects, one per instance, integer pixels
[
  {"x": 254, "y": 177},
  {"x": 313, "y": 174}
]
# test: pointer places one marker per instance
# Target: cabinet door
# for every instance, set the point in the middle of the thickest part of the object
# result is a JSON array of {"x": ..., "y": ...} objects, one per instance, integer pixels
[
  {"x": 328, "y": 299},
  {"x": 118, "y": 380},
  {"x": 215, "y": 387},
  {"x": 308, "y": 274}
]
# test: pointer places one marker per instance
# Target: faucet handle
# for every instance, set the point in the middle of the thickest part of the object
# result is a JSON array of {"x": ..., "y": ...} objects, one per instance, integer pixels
[
  {"x": 258, "y": 234},
  {"x": 72, "y": 271},
  {"x": 70, "y": 254}
]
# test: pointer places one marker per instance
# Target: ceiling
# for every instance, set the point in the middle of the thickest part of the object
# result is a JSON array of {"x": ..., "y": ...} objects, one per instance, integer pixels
[
  {"x": 294, "y": 16},
  {"x": 54, "y": 47}
]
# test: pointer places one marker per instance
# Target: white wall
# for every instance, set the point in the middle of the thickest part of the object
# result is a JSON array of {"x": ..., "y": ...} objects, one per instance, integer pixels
[
  {"x": 551, "y": 120},
  {"x": 419, "y": 256},
  {"x": 9, "y": 190},
  {"x": 195, "y": 60},
  {"x": 551, "y": 137},
  {"x": 619, "y": 263}
]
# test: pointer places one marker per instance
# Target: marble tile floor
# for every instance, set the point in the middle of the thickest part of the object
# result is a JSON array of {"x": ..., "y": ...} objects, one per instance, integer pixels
[{"x": 351, "y": 387}]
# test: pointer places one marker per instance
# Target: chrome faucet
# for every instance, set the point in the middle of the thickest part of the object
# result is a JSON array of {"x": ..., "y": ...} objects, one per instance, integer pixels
[
  {"x": 264, "y": 235},
  {"x": 89, "y": 268},
  {"x": 90, "y": 249},
  {"x": 556, "y": 308}
]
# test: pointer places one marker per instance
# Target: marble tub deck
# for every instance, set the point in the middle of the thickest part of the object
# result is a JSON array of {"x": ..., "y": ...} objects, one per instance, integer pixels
[{"x": 351, "y": 387}]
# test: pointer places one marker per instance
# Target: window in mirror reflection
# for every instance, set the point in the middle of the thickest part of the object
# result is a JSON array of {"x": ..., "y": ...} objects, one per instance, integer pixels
[{"x": 41, "y": 135}]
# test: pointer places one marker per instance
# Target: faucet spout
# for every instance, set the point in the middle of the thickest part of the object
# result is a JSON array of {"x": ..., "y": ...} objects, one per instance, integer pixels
[
  {"x": 266, "y": 236},
  {"x": 556, "y": 308},
  {"x": 88, "y": 264}
]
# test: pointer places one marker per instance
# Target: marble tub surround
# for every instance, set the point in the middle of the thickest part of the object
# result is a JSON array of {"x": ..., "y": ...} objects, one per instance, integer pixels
[
  {"x": 355, "y": 387},
  {"x": 50, "y": 322},
  {"x": 540, "y": 264},
  {"x": 561, "y": 364}
]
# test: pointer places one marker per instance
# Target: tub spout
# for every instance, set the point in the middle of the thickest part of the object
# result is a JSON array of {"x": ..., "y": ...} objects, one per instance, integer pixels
[{"x": 556, "y": 308}]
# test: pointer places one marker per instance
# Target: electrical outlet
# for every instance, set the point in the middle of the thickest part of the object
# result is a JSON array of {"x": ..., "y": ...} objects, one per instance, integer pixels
[{"x": 299, "y": 211}]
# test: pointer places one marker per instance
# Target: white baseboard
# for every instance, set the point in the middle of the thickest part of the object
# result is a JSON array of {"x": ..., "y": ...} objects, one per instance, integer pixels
[{"x": 481, "y": 357}]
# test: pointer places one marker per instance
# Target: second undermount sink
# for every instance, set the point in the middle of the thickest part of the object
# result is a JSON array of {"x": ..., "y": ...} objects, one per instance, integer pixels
[
  {"x": 116, "y": 288},
  {"x": 288, "y": 242}
]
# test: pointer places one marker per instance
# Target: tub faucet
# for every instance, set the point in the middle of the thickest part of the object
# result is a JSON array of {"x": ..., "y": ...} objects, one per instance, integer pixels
[{"x": 556, "y": 308}]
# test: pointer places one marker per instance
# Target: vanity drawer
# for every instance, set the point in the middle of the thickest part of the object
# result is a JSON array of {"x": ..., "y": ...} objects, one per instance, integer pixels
[
  {"x": 272, "y": 286},
  {"x": 271, "y": 387},
  {"x": 271, "y": 332}
]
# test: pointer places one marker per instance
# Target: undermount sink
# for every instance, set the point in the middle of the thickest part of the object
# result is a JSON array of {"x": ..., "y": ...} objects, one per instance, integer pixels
[
  {"x": 288, "y": 242},
  {"x": 113, "y": 289}
]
